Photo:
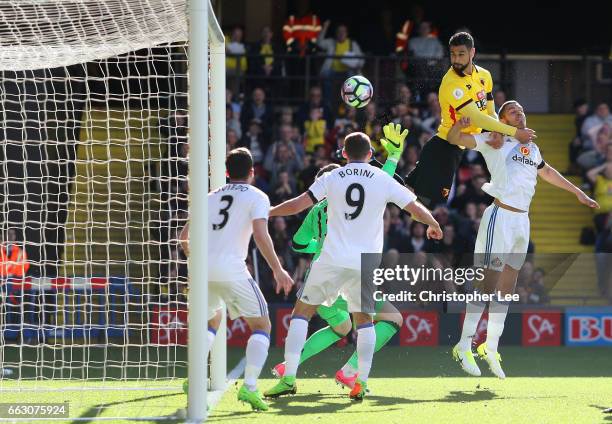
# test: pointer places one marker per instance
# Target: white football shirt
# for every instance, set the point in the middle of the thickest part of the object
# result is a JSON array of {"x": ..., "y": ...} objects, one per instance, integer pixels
[
  {"x": 513, "y": 169},
  {"x": 231, "y": 211},
  {"x": 357, "y": 195}
]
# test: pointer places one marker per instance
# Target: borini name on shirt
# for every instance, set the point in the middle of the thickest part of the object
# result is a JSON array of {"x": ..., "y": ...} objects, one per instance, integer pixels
[{"x": 356, "y": 171}]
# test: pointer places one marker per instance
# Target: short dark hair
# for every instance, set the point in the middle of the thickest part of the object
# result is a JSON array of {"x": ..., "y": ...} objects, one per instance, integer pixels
[
  {"x": 239, "y": 163},
  {"x": 327, "y": 168},
  {"x": 356, "y": 145},
  {"x": 502, "y": 109},
  {"x": 461, "y": 39}
]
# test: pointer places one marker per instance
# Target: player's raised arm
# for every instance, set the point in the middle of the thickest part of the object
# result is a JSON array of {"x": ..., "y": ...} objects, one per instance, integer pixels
[
  {"x": 304, "y": 240},
  {"x": 266, "y": 247},
  {"x": 421, "y": 213},
  {"x": 456, "y": 137},
  {"x": 488, "y": 123},
  {"x": 316, "y": 193},
  {"x": 393, "y": 142},
  {"x": 552, "y": 176},
  {"x": 293, "y": 206}
]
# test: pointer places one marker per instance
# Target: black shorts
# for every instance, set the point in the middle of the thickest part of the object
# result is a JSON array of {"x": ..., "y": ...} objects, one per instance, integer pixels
[{"x": 433, "y": 175}]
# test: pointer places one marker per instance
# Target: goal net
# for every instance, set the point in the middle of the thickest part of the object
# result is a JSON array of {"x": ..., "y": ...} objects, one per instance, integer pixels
[{"x": 94, "y": 188}]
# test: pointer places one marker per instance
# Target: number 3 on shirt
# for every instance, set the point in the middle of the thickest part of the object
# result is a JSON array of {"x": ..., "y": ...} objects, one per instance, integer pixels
[
  {"x": 224, "y": 212},
  {"x": 355, "y": 203}
]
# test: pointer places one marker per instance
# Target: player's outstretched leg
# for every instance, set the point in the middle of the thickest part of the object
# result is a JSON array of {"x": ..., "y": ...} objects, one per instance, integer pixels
[
  {"x": 256, "y": 354},
  {"x": 388, "y": 322},
  {"x": 339, "y": 321},
  {"x": 366, "y": 340},
  {"x": 294, "y": 343},
  {"x": 495, "y": 327},
  {"x": 462, "y": 352},
  {"x": 498, "y": 310}
]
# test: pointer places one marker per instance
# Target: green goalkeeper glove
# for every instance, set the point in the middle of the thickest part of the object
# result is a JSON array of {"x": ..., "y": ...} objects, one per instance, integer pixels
[{"x": 394, "y": 140}]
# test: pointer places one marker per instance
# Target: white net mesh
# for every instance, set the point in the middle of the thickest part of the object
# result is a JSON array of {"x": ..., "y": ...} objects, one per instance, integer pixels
[{"x": 93, "y": 101}]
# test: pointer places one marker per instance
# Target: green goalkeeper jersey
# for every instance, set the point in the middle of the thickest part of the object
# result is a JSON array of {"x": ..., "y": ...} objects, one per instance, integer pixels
[{"x": 310, "y": 236}]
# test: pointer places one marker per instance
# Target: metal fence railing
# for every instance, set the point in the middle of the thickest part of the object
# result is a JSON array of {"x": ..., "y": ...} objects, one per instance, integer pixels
[{"x": 552, "y": 82}]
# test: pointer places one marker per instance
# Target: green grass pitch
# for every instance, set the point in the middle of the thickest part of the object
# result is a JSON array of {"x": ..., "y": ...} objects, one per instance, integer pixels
[{"x": 416, "y": 385}]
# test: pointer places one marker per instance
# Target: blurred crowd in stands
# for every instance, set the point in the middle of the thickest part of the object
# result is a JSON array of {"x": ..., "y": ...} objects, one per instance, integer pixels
[{"x": 590, "y": 154}]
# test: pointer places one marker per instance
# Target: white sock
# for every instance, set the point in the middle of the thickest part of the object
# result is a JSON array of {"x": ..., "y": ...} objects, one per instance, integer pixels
[
  {"x": 294, "y": 343},
  {"x": 366, "y": 341},
  {"x": 495, "y": 326},
  {"x": 256, "y": 354},
  {"x": 473, "y": 312},
  {"x": 211, "y": 337},
  {"x": 348, "y": 370}
]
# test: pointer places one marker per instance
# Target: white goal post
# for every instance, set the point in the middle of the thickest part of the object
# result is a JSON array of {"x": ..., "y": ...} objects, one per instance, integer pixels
[{"x": 207, "y": 54}]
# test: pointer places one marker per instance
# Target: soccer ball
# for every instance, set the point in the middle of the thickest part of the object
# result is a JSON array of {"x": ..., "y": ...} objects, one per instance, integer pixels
[{"x": 357, "y": 91}]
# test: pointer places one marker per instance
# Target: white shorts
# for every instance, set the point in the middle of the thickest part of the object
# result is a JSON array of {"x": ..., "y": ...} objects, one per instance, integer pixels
[
  {"x": 326, "y": 282},
  {"x": 503, "y": 237},
  {"x": 242, "y": 297}
]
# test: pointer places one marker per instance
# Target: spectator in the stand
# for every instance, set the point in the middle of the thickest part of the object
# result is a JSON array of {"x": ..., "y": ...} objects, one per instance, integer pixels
[
  {"x": 536, "y": 288},
  {"x": 291, "y": 136},
  {"x": 235, "y": 61},
  {"x": 433, "y": 106},
  {"x": 255, "y": 141},
  {"x": 592, "y": 125},
  {"x": 394, "y": 233},
  {"x": 232, "y": 140},
  {"x": 315, "y": 100},
  {"x": 282, "y": 157},
  {"x": 258, "y": 108},
  {"x": 263, "y": 64},
  {"x": 597, "y": 156},
  {"x": 315, "y": 130},
  {"x": 404, "y": 95},
  {"x": 233, "y": 123},
  {"x": 601, "y": 178},
  {"x": 282, "y": 242},
  {"x": 471, "y": 192},
  {"x": 284, "y": 188},
  {"x": 450, "y": 246},
  {"x": 499, "y": 98},
  {"x": 286, "y": 116},
  {"x": 230, "y": 100},
  {"x": 414, "y": 132},
  {"x": 581, "y": 109},
  {"x": 417, "y": 241},
  {"x": 432, "y": 122},
  {"x": 428, "y": 64},
  {"x": 347, "y": 62},
  {"x": 370, "y": 119},
  {"x": 411, "y": 157},
  {"x": 13, "y": 258},
  {"x": 426, "y": 45}
]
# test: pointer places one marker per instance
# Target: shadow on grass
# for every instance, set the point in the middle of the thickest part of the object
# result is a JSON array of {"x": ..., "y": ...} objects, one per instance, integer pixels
[
  {"x": 606, "y": 415},
  {"x": 323, "y": 403},
  {"x": 98, "y": 410}
]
